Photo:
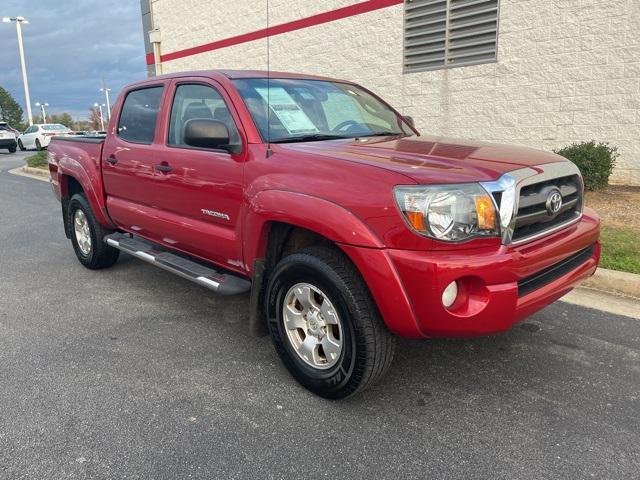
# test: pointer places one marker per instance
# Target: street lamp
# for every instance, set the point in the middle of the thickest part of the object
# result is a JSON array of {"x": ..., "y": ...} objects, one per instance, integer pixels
[
  {"x": 19, "y": 21},
  {"x": 100, "y": 105},
  {"x": 106, "y": 94},
  {"x": 44, "y": 114}
]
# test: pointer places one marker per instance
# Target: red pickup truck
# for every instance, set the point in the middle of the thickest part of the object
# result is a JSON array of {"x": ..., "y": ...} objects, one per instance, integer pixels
[{"x": 346, "y": 225}]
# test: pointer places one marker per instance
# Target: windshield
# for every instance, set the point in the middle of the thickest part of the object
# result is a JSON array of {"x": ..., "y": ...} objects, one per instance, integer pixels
[
  {"x": 306, "y": 110},
  {"x": 54, "y": 126}
]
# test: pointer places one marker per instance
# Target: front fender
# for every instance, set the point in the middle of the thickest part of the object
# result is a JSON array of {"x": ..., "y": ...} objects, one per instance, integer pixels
[
  {"x": 352, "y": 235},
  {"x": 318, "y": 215}
]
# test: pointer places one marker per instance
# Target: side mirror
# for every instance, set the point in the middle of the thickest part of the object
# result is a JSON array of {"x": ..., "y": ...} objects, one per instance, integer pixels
[
  {"x": 409, "y": 120},
  {"x": 206, "y": 133}
]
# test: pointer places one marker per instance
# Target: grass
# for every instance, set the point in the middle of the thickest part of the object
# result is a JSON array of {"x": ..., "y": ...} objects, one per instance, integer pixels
[
  {"x": 38, "y": 160},
  {"x": 620, "y": 249}
]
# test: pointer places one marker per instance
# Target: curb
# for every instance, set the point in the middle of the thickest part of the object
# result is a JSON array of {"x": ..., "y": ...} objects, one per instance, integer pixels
[
  {"x": 615, "y": 282},
  {"x": 36, "y": 171}
]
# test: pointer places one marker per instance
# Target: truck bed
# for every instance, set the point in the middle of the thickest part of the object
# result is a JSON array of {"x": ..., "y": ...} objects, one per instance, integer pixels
[
  {"x": 79, "y": 158},
  {"x": 80, "y": 138}
]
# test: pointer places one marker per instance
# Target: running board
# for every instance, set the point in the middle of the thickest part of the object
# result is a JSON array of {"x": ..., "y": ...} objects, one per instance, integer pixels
[{"x": 216, "y": 280}]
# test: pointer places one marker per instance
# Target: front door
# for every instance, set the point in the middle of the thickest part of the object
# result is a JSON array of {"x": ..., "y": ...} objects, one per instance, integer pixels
[
  {"x": 28, "y": 137},
  {"x": 199, "y": 191}
]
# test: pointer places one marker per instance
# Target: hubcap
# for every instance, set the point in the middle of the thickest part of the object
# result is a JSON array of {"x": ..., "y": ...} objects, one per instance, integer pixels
[
  {"x": 313, "y": 327},
  {"x": 83, "y": 233}
]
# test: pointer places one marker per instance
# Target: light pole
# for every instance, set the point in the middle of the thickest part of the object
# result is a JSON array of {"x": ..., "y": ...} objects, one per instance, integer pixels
[
  {"x": 19, "y": 21},
  {"x": 44, "y": 114},
  {"x": 100, "y": 105},
  {"x": 106, "y": 94}
]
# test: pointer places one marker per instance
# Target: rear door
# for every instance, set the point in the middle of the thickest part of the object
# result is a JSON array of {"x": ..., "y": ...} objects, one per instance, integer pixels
[
  {"x": 200, "y": 191},
  {"x": 128, "y": 162}
]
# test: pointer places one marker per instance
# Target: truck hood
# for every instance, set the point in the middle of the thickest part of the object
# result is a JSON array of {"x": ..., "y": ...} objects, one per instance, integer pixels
[{"x": 430, "y": 159}]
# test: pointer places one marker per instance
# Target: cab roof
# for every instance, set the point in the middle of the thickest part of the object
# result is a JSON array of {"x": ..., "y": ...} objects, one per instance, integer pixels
[{"x": 237, "y": 74}]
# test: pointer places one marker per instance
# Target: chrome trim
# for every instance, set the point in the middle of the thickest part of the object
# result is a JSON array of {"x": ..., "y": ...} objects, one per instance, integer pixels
[
  {"x": 510, "y": 184},
  {"x": 548, "y": 232},
  {"x": 207, "y": 282}
]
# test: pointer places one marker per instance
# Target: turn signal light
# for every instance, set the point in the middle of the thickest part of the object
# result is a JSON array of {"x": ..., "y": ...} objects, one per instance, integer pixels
[{"x": 486, "y": 213}]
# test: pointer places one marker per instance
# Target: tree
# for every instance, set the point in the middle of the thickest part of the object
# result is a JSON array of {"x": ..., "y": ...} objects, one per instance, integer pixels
[
  {"x": 94, "y": 118},
  {"x": 10, "y": 111},
  {"x": 65, "y": 119}
]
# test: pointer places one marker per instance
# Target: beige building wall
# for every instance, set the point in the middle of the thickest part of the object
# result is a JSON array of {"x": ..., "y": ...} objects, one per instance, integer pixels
[{"x": 567, "y": 70}]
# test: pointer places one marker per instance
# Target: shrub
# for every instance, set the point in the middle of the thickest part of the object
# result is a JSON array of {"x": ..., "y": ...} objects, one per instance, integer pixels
[
  {"x": 38, "y": 160},
  {"x": 595, "y": 161}
]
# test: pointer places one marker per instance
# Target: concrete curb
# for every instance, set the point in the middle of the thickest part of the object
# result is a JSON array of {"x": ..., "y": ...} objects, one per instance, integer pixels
[
  {"x": 35, "y": 173},
  {"x": 622, "y": 283}
]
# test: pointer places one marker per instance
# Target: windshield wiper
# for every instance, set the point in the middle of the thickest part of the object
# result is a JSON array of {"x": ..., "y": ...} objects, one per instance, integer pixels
[
  {"x": 308, "y": 138},
  {"x": 382, "y": 134}
]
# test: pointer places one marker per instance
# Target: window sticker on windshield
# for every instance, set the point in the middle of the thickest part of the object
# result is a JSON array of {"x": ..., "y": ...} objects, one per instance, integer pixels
[{"x": 287, "y": 111}]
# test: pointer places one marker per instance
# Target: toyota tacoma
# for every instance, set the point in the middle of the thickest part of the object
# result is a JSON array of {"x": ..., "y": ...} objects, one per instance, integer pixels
[{"x": 346, "y": 225}]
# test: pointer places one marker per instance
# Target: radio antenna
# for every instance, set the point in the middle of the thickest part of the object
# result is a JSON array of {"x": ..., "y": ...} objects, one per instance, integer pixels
[{"x": 269, "y": 151}]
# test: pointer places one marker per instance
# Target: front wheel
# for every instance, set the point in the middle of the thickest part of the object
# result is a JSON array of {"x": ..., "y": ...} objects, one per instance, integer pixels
[
  {"x": 21, "y": 146},
  {"x": 87, "y": 236},
  {"x": 324, "y": 323}
]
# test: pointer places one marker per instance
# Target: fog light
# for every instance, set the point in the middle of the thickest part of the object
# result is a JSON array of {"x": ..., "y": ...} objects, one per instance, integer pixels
[{"x": 450, "y": 293}]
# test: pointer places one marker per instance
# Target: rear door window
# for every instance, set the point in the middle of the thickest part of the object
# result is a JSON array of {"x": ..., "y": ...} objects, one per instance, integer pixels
[{"x": 139, "y": 115}]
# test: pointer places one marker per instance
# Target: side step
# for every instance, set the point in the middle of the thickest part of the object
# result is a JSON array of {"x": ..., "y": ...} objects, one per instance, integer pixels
[{"x": 216, "y": 280}]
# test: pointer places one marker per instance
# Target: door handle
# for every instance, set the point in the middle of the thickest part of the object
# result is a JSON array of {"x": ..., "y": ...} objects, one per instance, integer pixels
[
  {"x": 163, "y": 168},
  {"x": 112, "y": 160}
]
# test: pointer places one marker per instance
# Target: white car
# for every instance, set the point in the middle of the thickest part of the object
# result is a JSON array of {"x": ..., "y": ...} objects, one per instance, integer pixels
[
  {"x": 7, "y": 137},
  {"x": 38, "y": 136}
]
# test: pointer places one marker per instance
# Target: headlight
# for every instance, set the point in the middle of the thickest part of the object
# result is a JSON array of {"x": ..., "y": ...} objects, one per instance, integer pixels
[{"x": 450, "y": 213}]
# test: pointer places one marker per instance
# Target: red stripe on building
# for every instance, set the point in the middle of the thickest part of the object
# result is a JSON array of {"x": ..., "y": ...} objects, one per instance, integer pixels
[{"x": 312, "y": 21}]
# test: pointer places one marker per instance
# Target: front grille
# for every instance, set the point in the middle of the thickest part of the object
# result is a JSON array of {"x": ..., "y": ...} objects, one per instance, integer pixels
[
  {"x": 534, "y": 218},
  {"x": 555, "y": 271}
]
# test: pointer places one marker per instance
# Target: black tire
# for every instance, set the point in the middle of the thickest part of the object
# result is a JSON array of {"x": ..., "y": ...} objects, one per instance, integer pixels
[
  {"x": 100, "y": 255},
  {"x": 368, "y": 347},
  {"x": 12, "y": 149},
  {"x": 20, "y": 146},
  {"x": 38, "y": 145}
]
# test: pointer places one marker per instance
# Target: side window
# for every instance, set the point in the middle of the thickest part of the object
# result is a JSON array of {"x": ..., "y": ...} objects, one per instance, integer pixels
[
  {"x": 202, "y": 102},
  {"x": 139, "y": 115}
]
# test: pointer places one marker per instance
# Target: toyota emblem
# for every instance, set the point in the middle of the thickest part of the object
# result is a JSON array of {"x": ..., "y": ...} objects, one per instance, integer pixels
[{"x": 554, "y": 202}]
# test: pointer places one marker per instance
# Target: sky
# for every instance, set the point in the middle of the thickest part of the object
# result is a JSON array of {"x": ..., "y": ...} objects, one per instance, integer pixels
[{"x": 70, "y": 45}]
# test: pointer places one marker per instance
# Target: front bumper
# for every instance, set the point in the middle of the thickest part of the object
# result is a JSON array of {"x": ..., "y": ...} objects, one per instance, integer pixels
[{"x": 407, "y": 285}]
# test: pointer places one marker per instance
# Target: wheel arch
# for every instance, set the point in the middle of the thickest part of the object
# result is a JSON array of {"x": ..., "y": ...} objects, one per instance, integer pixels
[
  {"x": 276, "y": 217},
  {"x": 279, "y": 222}
]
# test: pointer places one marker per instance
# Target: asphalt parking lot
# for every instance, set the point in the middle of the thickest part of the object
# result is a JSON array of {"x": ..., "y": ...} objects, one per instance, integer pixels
[{"x": 134, "y": 373}]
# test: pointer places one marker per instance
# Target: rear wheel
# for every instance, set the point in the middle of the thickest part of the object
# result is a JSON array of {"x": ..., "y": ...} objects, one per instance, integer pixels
[
  {"x": 87, "y": 236},
  {"x": 324, "y": 323},
  {"x": 12, "y": 150},
  {"x": 38, "y": 144},
  {"x": 20, "y": 146}
]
